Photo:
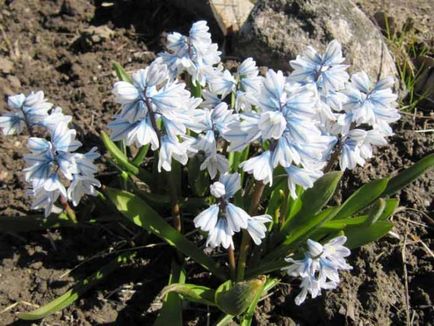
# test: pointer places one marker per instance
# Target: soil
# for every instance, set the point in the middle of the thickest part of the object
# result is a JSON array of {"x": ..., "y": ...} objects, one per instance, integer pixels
[{"x": 66, "y": 48}]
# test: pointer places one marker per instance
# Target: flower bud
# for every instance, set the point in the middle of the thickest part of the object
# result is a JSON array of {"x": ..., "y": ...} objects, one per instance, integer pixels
[{"x": 217, "y": 189}]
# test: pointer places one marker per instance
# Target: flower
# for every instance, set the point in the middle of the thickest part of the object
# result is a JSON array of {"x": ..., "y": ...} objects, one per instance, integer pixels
[
  {"x": 152, "y": 99},
  {"x": 224, "y": 219},
  {"x": 260, "y": 166},
  {"x": 369, "y": 102},
  {"x": 320, "y": 267},
  {"x": 303, "y": 177},
  {"x": 26, "y": 111},
  {"x": 221, "y": 82},
  {"x": 212, "y": 123},
  {"x": 82, "y": 185},
  {"x": 326, "y": 70},
  {"x": 195, "y": 53},
  {"x": 256, "y": 227},
  {"x": 172, "y": 148},
  {"x": 52, "y": 165},
  {"x": 287, "y": 120}
]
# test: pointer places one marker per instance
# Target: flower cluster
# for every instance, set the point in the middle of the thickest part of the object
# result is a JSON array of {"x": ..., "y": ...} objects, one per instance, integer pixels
[
  {"x": 297, "y": 122},
  {"x": 352, "y": 108},
  {"x": 223, "y": 219},
  {"x": 243, "y": 127},
  {"x": 53, "y": 168},
  {"x": 320, "y": 267},
  {"x": 156, "y": 110}
]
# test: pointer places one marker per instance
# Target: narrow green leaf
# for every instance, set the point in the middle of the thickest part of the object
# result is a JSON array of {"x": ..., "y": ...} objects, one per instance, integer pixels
[
  {"x": 171, "y": 312},
  {"x": 121, "y": 73},
  {"x": 313, "y": 199},
  {"x": 141, "y": 155},
  {"x": 192, "y": 292},
  {"x": 225, "y": 320},
  {"x": 197, "y": 179},
  {"x": 409, "y": 175},
  {"x": 117, "y": 155},
  {"x": 391, "y": 205},
  {"x": 299, "y": 233},
  {"x": 363, "y": 234},
  {"x": 141, "y": 214},
  {"x": 275, "y": 204},
  {"x": 362, "y": 198},
  {"x": 376, "y": 211},
  {"x": 295, "y": 205},
  {"x": 302, "y": 230},
  {"x": 250, "y": 312},
  {"x": 122, "y": 160},
  {"x": 78, "y": 290},
  {"x": 267, "y": 267},
  {"x": 34, "y": 223},
  {"x": 342, "y": 223}
]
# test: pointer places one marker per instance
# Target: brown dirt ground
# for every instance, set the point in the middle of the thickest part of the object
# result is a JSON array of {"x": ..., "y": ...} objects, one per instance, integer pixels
[{"x": 48, "y": 46}]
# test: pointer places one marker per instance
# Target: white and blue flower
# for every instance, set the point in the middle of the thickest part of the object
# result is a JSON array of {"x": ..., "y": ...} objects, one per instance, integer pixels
[
  {"x": 320, "y": 267},
  {"x": 25, "y": 112},
  {"x": 224, "y": 219}
]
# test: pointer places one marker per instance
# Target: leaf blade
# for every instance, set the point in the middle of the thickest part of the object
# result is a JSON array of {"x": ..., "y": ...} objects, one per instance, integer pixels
[
  {"x": 141, "y": 214},
  {"x": 409, "y": 175}
]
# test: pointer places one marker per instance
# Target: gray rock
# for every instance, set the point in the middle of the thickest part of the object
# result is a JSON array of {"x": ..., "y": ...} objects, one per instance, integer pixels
[{"x": 279, "y": 30}]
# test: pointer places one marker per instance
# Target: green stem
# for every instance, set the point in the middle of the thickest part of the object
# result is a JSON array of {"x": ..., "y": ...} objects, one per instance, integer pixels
[
  {"x": 233, "y": 99},
  {"x": 232, "y": 264},
  {"x": 245, "y": 240},
  {"x": 196, "y": 89},
  {"x": 68, "y": 210},
  {"x": 140, "y": 156}
]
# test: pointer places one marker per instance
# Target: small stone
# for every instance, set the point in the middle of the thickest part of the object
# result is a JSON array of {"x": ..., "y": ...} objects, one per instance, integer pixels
[
  {"x": 36, "y": 265},
  {"x": 42, "y": 286},
  {"x": 14, "y": 82},
  {"x": 92, "y": 36},
  {"x": 6, "y": 66}
]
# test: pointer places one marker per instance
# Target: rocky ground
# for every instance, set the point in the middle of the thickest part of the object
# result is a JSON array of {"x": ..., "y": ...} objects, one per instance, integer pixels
[{"x": 66, "y": 48}]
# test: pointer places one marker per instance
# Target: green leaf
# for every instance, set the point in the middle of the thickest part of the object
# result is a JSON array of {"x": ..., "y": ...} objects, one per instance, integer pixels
[
  {"x": 410, "y": 174},
  {"x": 198, "y": 180},
  {"x": 121, "y": 73},
  {"x": 250, "y": 312},
  {"x": 122, "y": 160},
  {"x": 344, "y": 222},
  {"x": 302, "y": 230},
  {"x": 362, "y": 198},
  {"x": 141, "y": 155},
  {"x": 275, "y": 204},
  {"x": 391, "y": 205},
  {"x": 376, "y": 211},
  {"x": 118, "y": 156},
  {"x": 77, "y": 291},
  {"x": 313, "y": 199},
  {"x": 266, "y": 267},
  {"x": 225, "y": 320},
  {"x": 299, "y": 233},
  {"x": 363, "y": 234},
  {"x": 141, "y": 214},
  {"x": 192, "y": 292},
  {"x": 234, "y": 299},
  {"x": 34, "y": 222},
  {"x": 171, "y": 312},
  {"x": 295, "y": 205}
]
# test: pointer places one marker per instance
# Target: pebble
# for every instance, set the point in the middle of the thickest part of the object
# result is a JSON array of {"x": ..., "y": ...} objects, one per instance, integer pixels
[{"x": 6, "y": 66}]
